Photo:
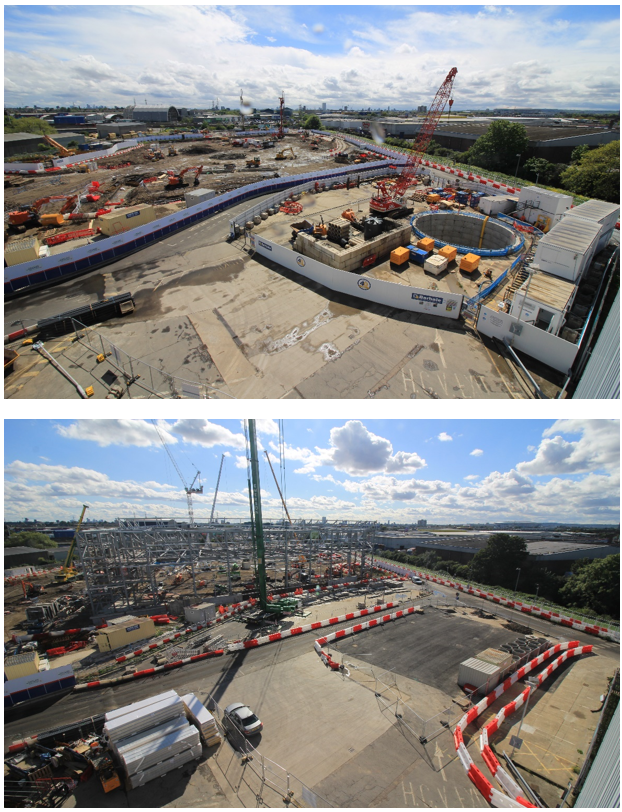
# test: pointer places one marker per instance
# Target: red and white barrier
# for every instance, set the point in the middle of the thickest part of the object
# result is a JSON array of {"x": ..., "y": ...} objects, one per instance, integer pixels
[
  {"x": 273, "y": 638},
  {"x": 512, "y": 796},
  {"x": 554, "y": 617},
  {"x": 359, "y": 627}
]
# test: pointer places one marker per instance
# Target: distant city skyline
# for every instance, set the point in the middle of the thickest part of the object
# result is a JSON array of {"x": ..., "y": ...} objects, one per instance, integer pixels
[
  {"x": 361, "y": 56},
  {"x": 444, "y": 471}
]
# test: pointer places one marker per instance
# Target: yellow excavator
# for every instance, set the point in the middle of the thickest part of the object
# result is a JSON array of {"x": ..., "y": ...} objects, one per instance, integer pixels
[
  {"x": 69, "y": 572},
  {"x": 281, "y": 156},
  {"x": 63, "y": 151}
]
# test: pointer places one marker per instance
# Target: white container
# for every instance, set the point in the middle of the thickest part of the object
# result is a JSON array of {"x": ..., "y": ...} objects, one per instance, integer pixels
[
  {"x": 502, "y": 659},
  {"x": 601, "y": 212},
  {"x": 543, "y": 300},
  {"x": 202, "y": 613},
  {"x": 569, "y": 247},
  {"x": 198, "y": 196},
  {"x": 484, "y": 676},
  {"x": 534, "y": 203},
  {"x": 151, "y": 752},
  {"x": 497, "y": 204},
  {"x": 435, "y": 264}
]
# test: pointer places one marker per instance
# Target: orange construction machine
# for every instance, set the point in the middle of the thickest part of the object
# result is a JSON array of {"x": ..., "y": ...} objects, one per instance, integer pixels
[
  {"x": 27, "y": 216},
  {"x": 178, "y": 180}
]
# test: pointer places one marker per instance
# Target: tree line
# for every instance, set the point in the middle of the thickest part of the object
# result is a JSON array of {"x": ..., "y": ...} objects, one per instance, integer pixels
[{"x": 592, "y": 588}]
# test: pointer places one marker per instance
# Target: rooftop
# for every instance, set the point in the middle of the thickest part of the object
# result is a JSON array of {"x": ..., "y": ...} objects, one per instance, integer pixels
[
  {"x": 549, "y": 290},
  {"x": 572, "y": 234},
  {"x": 21, "y": 550}
]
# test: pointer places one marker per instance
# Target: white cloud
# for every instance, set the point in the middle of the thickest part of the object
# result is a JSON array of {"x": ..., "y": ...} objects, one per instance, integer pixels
[
  {"x": 117, "y": 432},
  {"x": 205, "y": 433},
  {"x": 444, "y": 437},
  {"x": 267, "y": 427},
  {"x": 472, "y": 477},
  {"x": 477, "y": 452},
  {"x": 597, "y": 448}
]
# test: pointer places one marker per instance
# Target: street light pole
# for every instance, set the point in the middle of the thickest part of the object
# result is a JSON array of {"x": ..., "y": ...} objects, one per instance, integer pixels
[
  {"x": 517, "y": 577},
  {"x": 518, "y": 155},
  {"x": 537, "y": 588}
]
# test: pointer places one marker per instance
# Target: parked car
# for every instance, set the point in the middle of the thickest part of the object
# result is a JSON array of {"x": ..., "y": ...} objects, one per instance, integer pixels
[
  {"x": 241, "y": 718},
  {"x": 416, "y": 580}
]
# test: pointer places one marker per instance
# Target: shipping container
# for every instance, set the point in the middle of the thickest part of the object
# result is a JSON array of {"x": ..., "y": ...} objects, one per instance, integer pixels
[
  {"x": 198, "y": 196},
  {"x": 21, "y": 251},
  {"x": 21, "y": 665},
  {"x": 503, "y": 659},
  {"x": 123, "y": 220},
  {"x": 483, "y": 676},
  {"x": 568, "y": 249},
  {"x": 497, "y": 204},
  {"x": 202, "y": 613}
]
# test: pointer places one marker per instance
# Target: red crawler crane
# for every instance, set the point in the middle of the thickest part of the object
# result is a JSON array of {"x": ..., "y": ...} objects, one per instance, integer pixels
[{"x": 387, "y": 202}]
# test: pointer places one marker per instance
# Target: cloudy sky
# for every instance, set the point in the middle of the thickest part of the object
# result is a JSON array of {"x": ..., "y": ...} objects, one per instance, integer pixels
[
  {"x": 447, "y": 471},
  {"x": 368, "y": 55}
]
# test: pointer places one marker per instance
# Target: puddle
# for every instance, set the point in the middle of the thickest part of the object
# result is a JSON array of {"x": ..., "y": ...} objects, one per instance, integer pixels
[{"x": 329, "y": 352}]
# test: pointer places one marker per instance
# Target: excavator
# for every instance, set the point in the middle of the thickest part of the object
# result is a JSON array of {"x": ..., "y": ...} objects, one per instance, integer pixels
[
  {"x": 178, "y": 180},
  {"x": 19, "y": 220},
  {"x": 68, "y": 571},
  {"x": 31, "y": 590},
  {"x": 63, "y": 151},
  {"x": 281, "y": 156}
]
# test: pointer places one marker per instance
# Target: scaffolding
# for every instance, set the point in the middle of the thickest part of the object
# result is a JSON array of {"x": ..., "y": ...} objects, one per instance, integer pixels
[{"x": 124, "y": 567}]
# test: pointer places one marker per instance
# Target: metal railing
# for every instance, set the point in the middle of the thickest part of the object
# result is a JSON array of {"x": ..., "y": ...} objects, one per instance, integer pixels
[{"x": 139, "y": 374}]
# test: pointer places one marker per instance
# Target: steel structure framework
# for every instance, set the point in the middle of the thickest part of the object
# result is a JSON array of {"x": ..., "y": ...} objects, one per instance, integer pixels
[{"x": 121, "y": 566}]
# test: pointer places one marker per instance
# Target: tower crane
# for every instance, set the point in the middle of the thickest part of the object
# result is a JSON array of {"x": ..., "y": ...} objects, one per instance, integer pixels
[
  {"x": 280, "y": 133},
  {"x": 189, "y": 489},
  {"x": 242, "y": 108},
  {"x": 389, "y": 203},
  {"x": 211, "y": 518},
  {"x": 68, "y": 571}
]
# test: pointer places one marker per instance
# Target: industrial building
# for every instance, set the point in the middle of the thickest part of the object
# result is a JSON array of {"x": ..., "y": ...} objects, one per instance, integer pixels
[
  {"x": 160, "y": 113},
  {"x": 556, "y": 555},
  {"x": 27, "y": 143},
  {"x": 14, "y": 556}
]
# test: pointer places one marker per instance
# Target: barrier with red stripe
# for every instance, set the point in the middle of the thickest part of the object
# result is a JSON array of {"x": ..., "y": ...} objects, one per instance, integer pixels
[
  {"x": 273, "y": 638},
  {"x": 359, "y": 627},
  {"x": 512, "y": 797},
  {"x": 554, "y": 617}
]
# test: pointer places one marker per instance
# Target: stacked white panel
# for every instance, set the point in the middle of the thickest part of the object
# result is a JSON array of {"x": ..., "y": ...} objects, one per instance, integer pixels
[
  {"x": 124, "y": 745},
  {"x": 139, "y": 720},
  {"x": 164, "y": 767},
  {"x": 202, "y": 719},
  {"x": 114, "y": 714},
  {"x": 145, "y": 755}
]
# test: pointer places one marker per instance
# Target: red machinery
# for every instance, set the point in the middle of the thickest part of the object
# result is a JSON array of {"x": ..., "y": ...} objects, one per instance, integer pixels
[
  {"x": 178, "y": 180},
  {"x": 18, "y": 218},
  {"x": 31, "y": 590},
  {"x": 387, "y": 203}
]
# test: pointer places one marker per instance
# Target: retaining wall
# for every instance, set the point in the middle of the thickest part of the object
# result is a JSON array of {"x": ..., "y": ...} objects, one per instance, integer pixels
[
  {"x": 352, "y": 258},
  {"x": 403, "y": 297}
]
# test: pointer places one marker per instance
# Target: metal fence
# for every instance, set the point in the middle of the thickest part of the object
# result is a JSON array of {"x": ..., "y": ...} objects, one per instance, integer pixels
[
  {"x": 256, "y": 779},
  {"x": 139, "y": 375}
]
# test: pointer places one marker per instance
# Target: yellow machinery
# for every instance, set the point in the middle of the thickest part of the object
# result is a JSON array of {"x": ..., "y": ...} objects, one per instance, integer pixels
[
  {"x": 253, "y": 162},
  {"x": 64, "y": 153},
  {"x": 69, "y": 572},
  {"x": 281, "y": 156}
]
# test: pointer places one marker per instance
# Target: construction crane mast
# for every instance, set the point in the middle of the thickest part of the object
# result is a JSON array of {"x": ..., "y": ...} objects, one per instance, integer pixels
[
  {"x": 242, "y": 107},
  {"x": 68, "y": 572},
  {"x": 280, "y": 133},
  {"x": 257, "y": 518},
  {"x": 278, "y": 487},
  {"x": 387, "y": 203},
  {"x": 211, "y": 518},
  {"x": 189, "y": 489}
]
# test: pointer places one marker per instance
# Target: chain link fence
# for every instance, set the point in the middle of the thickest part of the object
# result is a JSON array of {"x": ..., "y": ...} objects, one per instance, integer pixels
[
  {"x": 256, "y": 779},
  {"x": 138, "y": 378}
]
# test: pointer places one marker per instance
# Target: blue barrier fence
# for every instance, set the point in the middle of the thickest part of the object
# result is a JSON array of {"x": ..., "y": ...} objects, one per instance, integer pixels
[{"x": 466, "y": 249}]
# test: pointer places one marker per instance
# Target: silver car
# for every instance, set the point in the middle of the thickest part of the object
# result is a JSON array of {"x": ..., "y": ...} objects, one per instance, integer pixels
[{"x": 242, "y": 718}]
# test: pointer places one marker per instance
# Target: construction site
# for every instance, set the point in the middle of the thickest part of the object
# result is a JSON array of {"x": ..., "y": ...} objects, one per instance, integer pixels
[{"x": 125, "y": 667}]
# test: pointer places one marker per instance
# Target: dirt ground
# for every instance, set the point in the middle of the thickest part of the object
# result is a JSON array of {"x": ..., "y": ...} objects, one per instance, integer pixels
[{"x": 123, "y": 183}]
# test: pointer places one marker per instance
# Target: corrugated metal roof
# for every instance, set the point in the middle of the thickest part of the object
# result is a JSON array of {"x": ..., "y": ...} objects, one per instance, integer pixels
[
  {"x": 601, "y": 377},
  {"x": 548, "y": 290},
  {"x": 21, "y": 137},
  {"x": 602, "y": 785},
  {"x": 9, "y": 551},
  {"x": 597, "y": 210},
  {"x": 20, "y": 659},
  {"x": 537, "y": 191},
  {"x": 153, "y": 108},
  {"x": 572, "y": 234},
  {"x": 20, "y": 245}
]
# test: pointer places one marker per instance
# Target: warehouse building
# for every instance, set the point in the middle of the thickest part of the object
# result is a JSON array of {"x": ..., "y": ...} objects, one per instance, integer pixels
[
  {"x": 555, "y": 554},
  {"x": 14, "y": 556},
  {"x": 26, "y": 143},
  {"x": 156, "y": 113}
]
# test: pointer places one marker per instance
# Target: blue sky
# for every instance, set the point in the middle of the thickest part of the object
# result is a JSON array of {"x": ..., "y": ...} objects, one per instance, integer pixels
[
  {"x": 448, "y": 471},
  {"x": 367, "y": 55}
]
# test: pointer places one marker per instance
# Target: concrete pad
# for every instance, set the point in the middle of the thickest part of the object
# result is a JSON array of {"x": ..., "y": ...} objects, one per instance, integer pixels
[{"x": 232, "y": 364}]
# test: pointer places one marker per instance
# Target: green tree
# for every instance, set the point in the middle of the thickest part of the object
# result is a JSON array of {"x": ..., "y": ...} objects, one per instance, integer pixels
[
  {"x": 544, "y": 171},
  {"x": 312, "y": 123},
  {"x": 595, "y": 584},
  {"x": 498, "y": 147},
  {"x": 73, "y": 145},
  {"x": 29, "y": 538},
  {"x": 27, "y": 125},
  {"x": 578, "y": 153},
  {"x": 597, "y": 174},
  {"x": 498, "y": 561}
]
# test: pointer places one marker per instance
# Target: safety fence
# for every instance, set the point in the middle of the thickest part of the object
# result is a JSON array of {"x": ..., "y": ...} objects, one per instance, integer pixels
[
  {"x": 15, "y": 579},
  {"x": 240, "y": 220},
  {"x": 100, "y": 252},
  {"x": 512, "y": 797},
  {"x": 554, "y": 617},
  {"x": 139, "y": 374},
  {"x": 256, "y": 779}
]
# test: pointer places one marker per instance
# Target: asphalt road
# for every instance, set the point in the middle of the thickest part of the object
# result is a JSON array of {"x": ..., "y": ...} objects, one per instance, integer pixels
[{"x": 88, "y": 288}]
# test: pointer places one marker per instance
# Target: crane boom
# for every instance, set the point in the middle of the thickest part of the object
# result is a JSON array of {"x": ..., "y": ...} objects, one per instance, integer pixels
[
  {"x": 258, "y": 519},
  {"x": 211, "y": 518},
  {"x": 280, "y": 133},
  {"x": 386, "y": 202},
  {"x": 289, "y": 518},
  {"x": 68, "y": 571},
  {"x": 188, "y": 489}
]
